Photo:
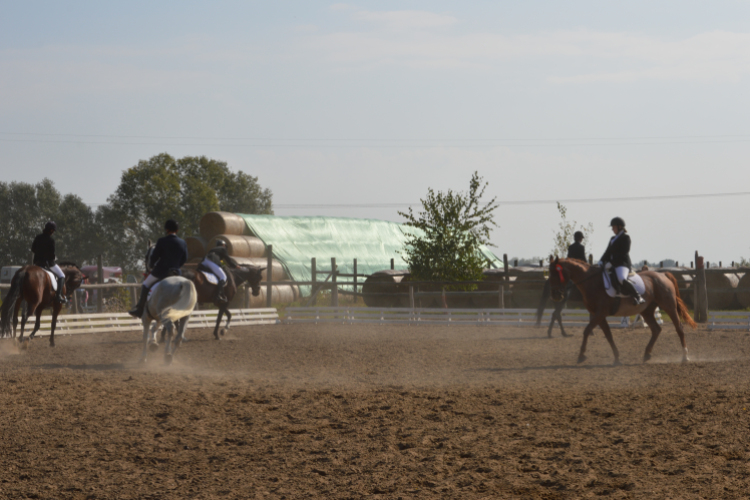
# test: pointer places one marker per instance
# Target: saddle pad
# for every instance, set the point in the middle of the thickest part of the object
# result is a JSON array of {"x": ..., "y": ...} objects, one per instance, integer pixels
[
  {"x": 52, "y": 278},
  {"x": 210, "y": 277},
  {"x": 151, "y": 290},
  {"x": 635, "y": 279}
]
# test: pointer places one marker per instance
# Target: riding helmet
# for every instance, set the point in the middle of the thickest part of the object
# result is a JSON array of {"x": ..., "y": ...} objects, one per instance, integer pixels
[
  {"x": 578, "y": 235},
  {"x": 50, "y": 226},
  {"x": 171, "y": 226},
  {"x": 617, "y": 221},
  {"x": 221, "y": 243}
]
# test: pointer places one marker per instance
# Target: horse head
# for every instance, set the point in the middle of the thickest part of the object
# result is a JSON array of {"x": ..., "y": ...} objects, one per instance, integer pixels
[
  {"x": 73, "y": 276},
  {"x": 253, "y": 275},
  {"x": 558, "y": 279}
]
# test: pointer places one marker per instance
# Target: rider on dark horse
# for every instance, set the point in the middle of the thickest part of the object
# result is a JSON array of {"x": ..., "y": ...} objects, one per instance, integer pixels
[
  {"x": 618, "y": 255},
  {"x": 169, "y": 253},
  {"x": 576, "y": 250},
  {"x": 44, "y": 257},
  {"x": 213, "y": 261}
]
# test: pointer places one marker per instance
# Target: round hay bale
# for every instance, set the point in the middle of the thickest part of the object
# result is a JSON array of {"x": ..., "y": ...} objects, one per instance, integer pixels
[
  {"x": 279, "y": 274},
  {"x": 215, "y": 223},
  {"x": 196, "y": 246},
  {"x": 718, "y": 285},
  {"x": 280, "y": 294},
  {"x": 239, "y": 245},
  {"x": 743, "y": 290},
  {"x": 527, "y": 288},
  {"x": 382, "y": 289}
]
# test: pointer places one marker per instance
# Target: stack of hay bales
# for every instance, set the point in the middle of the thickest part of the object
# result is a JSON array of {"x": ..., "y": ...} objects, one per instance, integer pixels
[
  {"x": 721, "y": 285},
  {"x": 246, "y": 249},
  {"x": 743, "y": 288}
]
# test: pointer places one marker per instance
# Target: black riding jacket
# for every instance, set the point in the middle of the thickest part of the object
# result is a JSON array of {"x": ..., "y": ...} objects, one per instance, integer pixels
[
  {"x": 44, "y": 250},
  {"x": 577, "y": 251},
  {"x": 217, "y": 254},
  {"x": 170, "y": 252},
  {"x": 618, "y": 251}
]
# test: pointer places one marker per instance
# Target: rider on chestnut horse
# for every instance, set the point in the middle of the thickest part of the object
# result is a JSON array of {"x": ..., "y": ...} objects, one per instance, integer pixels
[
  {"x": 213, "y": 261},
  {"x": 618, "y": 255},
  {"x": 169, "y": 253},
  {"x": 44, "y": 257}
]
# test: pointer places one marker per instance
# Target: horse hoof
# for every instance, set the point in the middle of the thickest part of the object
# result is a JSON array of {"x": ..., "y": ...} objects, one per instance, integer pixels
[
  {"x": 581, "y": 359},
  {"x": 646, "y": 357},
  {"x": 223, "y": 331},
  {"x": 566, "y": 334},
  {"x": 24, "y": 344},
  {"x": 617, "y": 362},
  {"x": 685, "y": 360},
  {"x": 167, "y": 359},
  {"x": 153, "y": 346}
]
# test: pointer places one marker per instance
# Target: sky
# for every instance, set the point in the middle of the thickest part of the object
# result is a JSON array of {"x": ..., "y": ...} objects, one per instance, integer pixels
[{"x": 634, "y": 109}]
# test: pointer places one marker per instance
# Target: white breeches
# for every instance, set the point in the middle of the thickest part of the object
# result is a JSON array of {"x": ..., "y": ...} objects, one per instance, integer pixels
[
  {"x": 58, "y": 272},
  {"x": 150, "y": 280},
  {"x": 622, "y": 273},
  {"x": 217, "y": 270}
]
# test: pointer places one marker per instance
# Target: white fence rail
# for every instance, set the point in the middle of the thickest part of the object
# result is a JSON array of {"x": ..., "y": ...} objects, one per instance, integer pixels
[
  {"x": 511, "y": 317},
  {"x": 728, "y": 320},
  {"x": 71, "y": 324}
]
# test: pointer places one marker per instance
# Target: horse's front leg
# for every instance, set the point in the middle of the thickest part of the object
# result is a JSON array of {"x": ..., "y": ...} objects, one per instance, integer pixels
[
  {"x": 608, "y": 334},
  {"x": 229, "y": 319},
  {"x": 55, "y": 311},
  {"x": 593, "y": 322},
  {"x": 146, "y": 338},
  {"x": 218, "y": 323}
]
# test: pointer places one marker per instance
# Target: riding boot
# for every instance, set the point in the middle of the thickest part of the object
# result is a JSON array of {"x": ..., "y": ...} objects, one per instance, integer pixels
[
  {"x": 137, "y": 311},
  {"x": 629, "y": 289},
  {"x": 60, "y": 296},
  {"x": 220, "y": 297}
]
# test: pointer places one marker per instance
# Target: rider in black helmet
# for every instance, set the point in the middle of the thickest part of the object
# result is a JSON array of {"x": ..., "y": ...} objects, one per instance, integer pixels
[
  {"x": 169, "y": 253},
  {"x": 44, "y": 257},
  {"x": 577, "y": 250},
  {"x": 618, "y": 254},
  {"x": 213, "y": 261}
]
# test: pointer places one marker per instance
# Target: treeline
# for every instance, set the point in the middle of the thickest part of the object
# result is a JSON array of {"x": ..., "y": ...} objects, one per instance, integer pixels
[{"x": 149, "y": 193}]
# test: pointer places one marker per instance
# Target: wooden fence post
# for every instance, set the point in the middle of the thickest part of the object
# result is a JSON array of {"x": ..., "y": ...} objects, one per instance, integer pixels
[
  {"x": 506, "y": 279},
  {"x": 411, "y": 297},
  {"x": 100, "y": 280},
  {"x": 700, "y": 300},
  {"x": 269, "y": 276},
  {"x": 314, "y": 279},
  {"x": 334, "y": 285},
  {"x": 501, "y": 297},
  {"x": 393, "y": 264},
  {"x": 355, "y": 281}
]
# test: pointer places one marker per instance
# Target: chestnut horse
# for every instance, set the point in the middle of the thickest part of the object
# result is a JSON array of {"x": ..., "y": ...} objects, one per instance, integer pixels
[
  {"x": 235, "y": 278},
  {"x": 34, "y": 286},
  {"x": 661, "y": 291}
]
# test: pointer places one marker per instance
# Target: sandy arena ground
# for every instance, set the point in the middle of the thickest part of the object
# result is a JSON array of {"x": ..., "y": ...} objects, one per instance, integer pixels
[{"x": 335, "y": 411}]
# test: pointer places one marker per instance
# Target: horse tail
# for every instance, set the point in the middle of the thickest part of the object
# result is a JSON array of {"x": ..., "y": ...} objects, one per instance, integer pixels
[
  {"x": 6, "y": 311},
  {"x": 185, "y": 303},
  {"x": 543, "y": 302},
  {"x": 682, "y": 310}
]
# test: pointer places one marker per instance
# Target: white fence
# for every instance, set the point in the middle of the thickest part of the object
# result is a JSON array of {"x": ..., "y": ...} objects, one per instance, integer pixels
[
  {"x": 70, "y": 324},
  {"x": 728, "y": 320},
  {"x": 510, "y": 317}
]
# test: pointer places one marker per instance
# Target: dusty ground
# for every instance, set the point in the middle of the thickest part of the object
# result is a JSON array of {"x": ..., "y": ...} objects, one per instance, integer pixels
[{"x": 335, "y": 411}]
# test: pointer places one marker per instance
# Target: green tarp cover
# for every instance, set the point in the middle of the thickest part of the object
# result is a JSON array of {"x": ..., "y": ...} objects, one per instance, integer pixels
[{"x": 372, "y": 242}]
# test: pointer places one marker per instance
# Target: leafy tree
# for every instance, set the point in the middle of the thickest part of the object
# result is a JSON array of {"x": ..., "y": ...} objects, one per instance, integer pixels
[
  {"x": 445, "y": 237},
  {"x": 564, "y": 235},
  {"x": 164, "y": 188}
]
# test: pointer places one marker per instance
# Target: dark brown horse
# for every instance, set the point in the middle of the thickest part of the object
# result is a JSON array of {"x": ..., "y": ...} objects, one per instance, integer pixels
[
  {"x": 31, "y": 284},
  {"x": 661, "y": 291},
  {"x": 235, "y": 278}
]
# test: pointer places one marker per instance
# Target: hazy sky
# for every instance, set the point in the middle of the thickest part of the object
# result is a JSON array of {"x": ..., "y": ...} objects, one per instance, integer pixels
[{"x": 370, "y": 103}]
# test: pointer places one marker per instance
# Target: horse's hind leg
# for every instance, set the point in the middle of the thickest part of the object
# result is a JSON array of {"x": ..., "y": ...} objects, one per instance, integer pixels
[
  {"x": 648, "y": 317},
  {"x": 180, "y": 334},
  {"x": 229, "y": 320},
  {"x": 218, "y": 324},
  {"x": 168, "y": 353},
  {"x": 608, "y": 334},
  {"x": 146, "y": 337},
  {"x": 673, "y": 314}
]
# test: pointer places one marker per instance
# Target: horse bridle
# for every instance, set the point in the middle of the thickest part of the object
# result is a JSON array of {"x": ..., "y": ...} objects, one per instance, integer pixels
[{"x": 560, "y": 270}]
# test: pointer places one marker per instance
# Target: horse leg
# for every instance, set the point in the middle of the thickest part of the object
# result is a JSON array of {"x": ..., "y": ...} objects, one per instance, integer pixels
[
  {"x": 229, "y": 319},
  {"x": 672, "y": 311},
  {"x": 608, "y": 334},
  {"x": 552, "y": 322},
  {"x": 24, "y": 316},
  {"x": 169, "y": 327},
  {"x": 218, "y": 323},
  {"x": 37, "y": 323},
  {"x": 146, "y": 335},
  {"x": 586, "y": 332},
  {"x": 648, "y": 317},
  {"x": 55, "y": 311},
  {"x": 181, "y": 325}
]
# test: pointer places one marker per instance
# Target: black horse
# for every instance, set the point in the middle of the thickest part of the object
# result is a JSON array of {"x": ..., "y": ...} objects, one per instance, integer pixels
[{"x": 571, "y": 293}]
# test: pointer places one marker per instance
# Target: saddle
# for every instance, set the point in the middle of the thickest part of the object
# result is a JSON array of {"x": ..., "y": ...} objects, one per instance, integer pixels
[
  {"x": 613, "y": 290},
  {"x": 52, "y": 278},
  {"x": 208, "y": 274}
]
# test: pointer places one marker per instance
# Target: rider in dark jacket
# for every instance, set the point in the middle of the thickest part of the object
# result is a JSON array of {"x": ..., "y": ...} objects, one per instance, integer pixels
[
  {"x": 169, "y": 253},
  {"x": 44, "y": 257},
  {"x": 577, "y": 250},
  {"x": 213, "y": 261},
  {"x": 618, "y": 255}
]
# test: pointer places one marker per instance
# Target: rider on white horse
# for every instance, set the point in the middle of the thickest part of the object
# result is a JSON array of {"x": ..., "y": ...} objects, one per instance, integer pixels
[
  {"x": 213, "y": 261},
  {"x": 618, "y": 255},
  {"x": 44, "y": 257},
  {"x": 169, "y": 253}
]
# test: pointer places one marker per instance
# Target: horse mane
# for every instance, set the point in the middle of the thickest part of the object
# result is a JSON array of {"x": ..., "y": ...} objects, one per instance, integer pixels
[{"x": 68, "y": 263}]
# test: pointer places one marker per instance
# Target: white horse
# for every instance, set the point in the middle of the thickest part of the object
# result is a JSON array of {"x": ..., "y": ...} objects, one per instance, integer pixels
[{"x": 171, "y": 302}]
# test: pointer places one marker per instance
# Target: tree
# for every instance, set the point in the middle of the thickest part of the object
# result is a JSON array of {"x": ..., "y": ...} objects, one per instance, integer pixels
[
  {"x": 164, "y": 188},
  {"x": 445, "y": 237},
  {"x": 564, "y": 235}
]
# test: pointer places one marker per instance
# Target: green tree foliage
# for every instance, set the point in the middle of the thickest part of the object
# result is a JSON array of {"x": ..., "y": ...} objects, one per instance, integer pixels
[
  {"x": 27, "y": 207},
  {"x": 564, "y": 235},
  {"x": 164, "y": 188},
  {"x": 448, "y": 232}
]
